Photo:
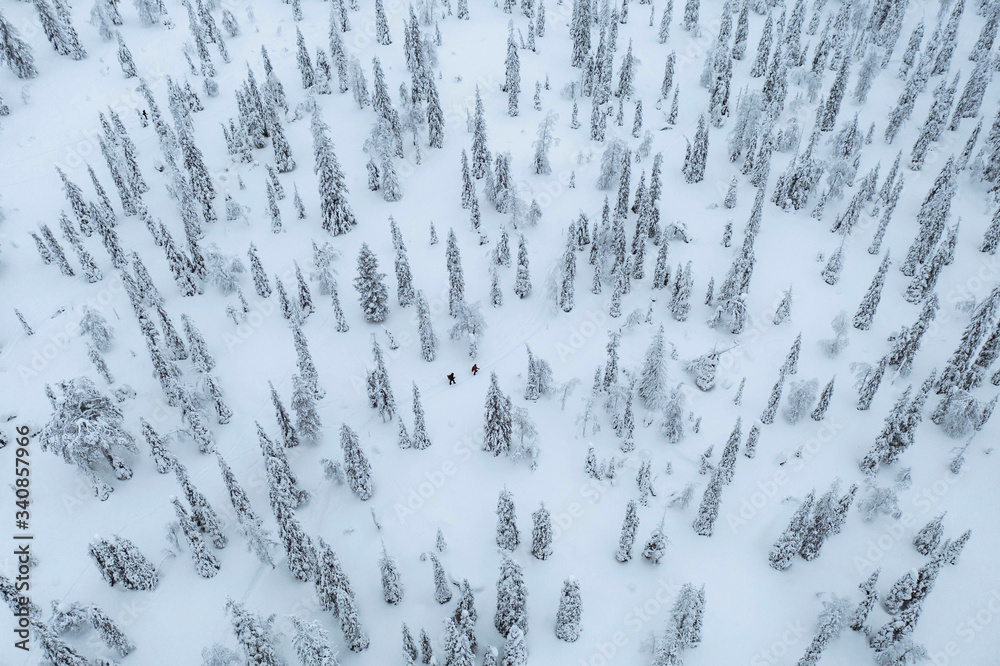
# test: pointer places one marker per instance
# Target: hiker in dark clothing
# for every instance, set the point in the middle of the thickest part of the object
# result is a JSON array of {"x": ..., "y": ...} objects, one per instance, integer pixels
[
  {"x": 475, "y": 368},
  {"x": 451, "y": 379}
]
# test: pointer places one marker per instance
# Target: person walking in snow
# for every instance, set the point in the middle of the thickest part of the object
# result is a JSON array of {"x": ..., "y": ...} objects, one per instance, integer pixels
[
  {"x": 451, "y": 379},
  {"x": 475, "y": 368}
]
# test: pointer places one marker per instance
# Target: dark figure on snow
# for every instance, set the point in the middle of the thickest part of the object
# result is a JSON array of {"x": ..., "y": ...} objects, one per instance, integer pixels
[
  {"x": 475, "y": 368},
  {"x": 451, "y": 379}
]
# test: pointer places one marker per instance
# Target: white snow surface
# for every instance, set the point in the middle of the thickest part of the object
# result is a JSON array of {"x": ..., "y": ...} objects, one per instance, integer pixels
[{"x": 754, "y": 614}]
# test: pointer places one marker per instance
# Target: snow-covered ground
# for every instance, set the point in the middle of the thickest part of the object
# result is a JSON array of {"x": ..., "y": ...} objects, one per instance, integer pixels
[{"x": 753, "y": 613}]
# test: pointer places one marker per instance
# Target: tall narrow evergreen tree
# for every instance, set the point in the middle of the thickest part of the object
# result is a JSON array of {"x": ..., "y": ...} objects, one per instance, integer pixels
[
  {"x": 374, "y": 295},
  {"x": 356, "y": 464},
  {"x": 456, "y": 279},
  {"x": 866, "y": 311},
  {"x": 336, "y": 212}
]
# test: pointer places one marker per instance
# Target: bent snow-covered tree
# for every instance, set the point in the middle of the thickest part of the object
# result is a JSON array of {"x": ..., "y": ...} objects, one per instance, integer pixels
[{"x": 87, "y": 429}]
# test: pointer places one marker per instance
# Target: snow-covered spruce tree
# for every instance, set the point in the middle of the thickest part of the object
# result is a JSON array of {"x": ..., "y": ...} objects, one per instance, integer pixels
[
  {"x": 465, "y": 615},
  {"x": 686, "y": 616},
  {"x": 298, "y": 546},
  {"x": 480, "y": 150},
  {"x": 932, "y": 217},
  {"x": 163, "y": 459},
  {"x": 580, "y": 28},
  {"x": 282, "y": 484},
  {"x": 94, "y": 325},
  {"x": 330, "y": 580},
  {"x": 404, "y": 278},
  {"x": 627, "y": 538},
  {"x": 420, "y": 439},
  {"x": 379, "y": 391},
  {"x": 289, "y": 310},
  {"x": 656, "y": 545},
  {"x": 121, "y": 562},
  {"x": 202, "y": 513},
  {"x": 312, "y": 643},
  {"x": 690, "y": 15},
  {"x": 826, "y": 519},
  {"x": 307, "y": 421},
  {"x": 56, "y": 651},
  {"x": 833, "y": 619},
  {"x": 728, "y": 460},
  {"x": 15, "y": 51},
  {"x": 273, "y": 210},
  {"x": 456, "y": 279},
  {"x": 708, "y": 510},
  {"x": 824, "y": 401},
  {"x": 784, "y": 308},
  {"x": 90, "y": 269},
  {"x": 767, "y": 417},
  {"x": 680, "y": 300},
  {"x": 789, "y": 543},
  {"x": 300, "y": 209},
  {"x": 110, "y": 632},
  {"x": 254, "y": 634},
  {"x": 929, "y": 536},
  {"x": 404, "y": 437},
  {"x": 55, "y": 251},
  {"x": 496, "y": 293},
  {"x": 652, "y": 384},
  {"x": 836, "y": 96},
  {"x": 937, "y": 116},
  {"x": 866, "y": 311},
  {"x": 543, "y": 144},
  {"x": 697, "y": 153},
  {"x": 831, "y": 272},
  {"x": 172, "y": 341},
  {"x": 356, "y": 464},
  {"x": 410, "y": 652},
  {"x": 507, "y": 533},
  {"x": 515, "y": 648},
  {"x": 975, "y": 332},
  {"x": 392, "y": 586},
  {"x": 259, "y": 540},
  {"x": 206, "y": 564},
  {"x": 337, "y": 216},
  {"x": 870, "y": 382},
  {"x": 307, "y": 369},
  {"x": 442, "y": 593},
  {"x": 512, "y": 598},
  {"x": 570, "y": 611},
  {"x": 428, "y": 339},
  {"x": 200, "y": 356},
  {"x": 87, "y": 430},
  {"x": 289, "y": 436},
  {"x": 381, "y": 25},
  {"x": 870, "y": 596},
  {"x": 992, "y": 236},
  {"x": 304, "y": 62},
  {"x": 541, "y": 533},
  {"x": 370, "y": 284},
  {"x": 522, "y": 283},
  {"x": 730, "y": 200}
]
